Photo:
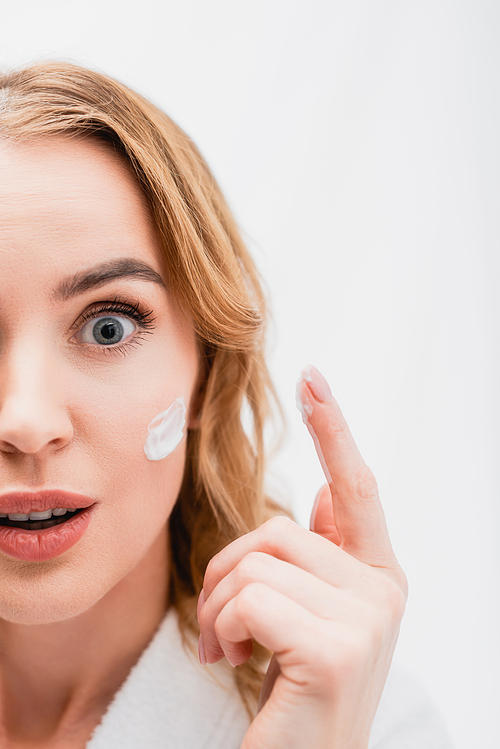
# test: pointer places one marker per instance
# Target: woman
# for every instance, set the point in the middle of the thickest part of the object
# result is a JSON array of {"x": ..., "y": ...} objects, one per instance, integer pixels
[{"x": 131, "y": 497}]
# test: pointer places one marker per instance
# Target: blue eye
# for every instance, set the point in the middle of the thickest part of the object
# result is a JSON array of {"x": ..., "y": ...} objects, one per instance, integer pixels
[{"x": 107, "y": 330}]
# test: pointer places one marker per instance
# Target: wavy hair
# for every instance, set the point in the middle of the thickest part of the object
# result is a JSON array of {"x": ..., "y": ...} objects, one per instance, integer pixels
[{"x": 215, "y": 280}]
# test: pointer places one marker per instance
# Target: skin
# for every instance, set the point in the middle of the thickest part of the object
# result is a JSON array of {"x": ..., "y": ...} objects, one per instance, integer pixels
[
  {"x": 75, "y": 417},
  {"x": 327, "y": 602}
]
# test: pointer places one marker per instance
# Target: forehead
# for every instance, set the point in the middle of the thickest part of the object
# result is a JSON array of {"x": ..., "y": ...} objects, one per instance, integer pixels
[{"x": 71, "y": 199}]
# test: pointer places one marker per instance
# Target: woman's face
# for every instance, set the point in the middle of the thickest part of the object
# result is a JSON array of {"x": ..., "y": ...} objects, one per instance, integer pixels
[{"x": 77, "y": 395}]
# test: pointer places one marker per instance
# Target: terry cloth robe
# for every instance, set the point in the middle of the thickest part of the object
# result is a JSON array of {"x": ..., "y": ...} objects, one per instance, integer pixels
[{"x": 170, "y": 701}]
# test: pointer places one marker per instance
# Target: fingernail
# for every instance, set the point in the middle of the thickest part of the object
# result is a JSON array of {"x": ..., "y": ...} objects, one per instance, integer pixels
[
  {"x": 302, "y": 401},
  {"x": 201, "y": 652},
  {"x": 201, "y": 601},
  {"x": 317, "y": 383}
]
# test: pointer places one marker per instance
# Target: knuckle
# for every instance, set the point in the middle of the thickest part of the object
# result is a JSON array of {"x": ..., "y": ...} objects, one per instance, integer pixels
[
  {"x": 335, "y": 428},
  {"x": 365, "y": 484},
  {"x": 392, "y": 602},
  {"x": 249, "y": 567},
  {"x": 396, "y": 601},
  {"x": 277, "y": 526},
  {"x": 220, "y": 627},
  {"x": 402, "y": 581},
  {"x": 248, "y": 598}
]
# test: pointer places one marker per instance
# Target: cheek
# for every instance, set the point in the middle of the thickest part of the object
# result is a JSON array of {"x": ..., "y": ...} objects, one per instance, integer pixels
[
  {"x": 131, "y": 430},
  {"x": 128, "y": 418},
  {"x": 135, "y": 499},
  {"x": 111, "y": 412},
  {"x": 138, "y": 450}
]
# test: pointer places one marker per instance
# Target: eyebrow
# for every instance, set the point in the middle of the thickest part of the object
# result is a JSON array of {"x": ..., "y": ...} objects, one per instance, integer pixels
[{"x": 102, "y": 274}]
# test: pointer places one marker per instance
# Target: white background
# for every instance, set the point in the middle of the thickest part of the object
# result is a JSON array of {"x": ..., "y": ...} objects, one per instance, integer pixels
[{"x": 358, "y": 145}]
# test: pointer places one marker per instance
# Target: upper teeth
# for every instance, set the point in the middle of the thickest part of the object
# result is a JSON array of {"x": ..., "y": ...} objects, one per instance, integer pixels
[{"x": 45, "y": 515}]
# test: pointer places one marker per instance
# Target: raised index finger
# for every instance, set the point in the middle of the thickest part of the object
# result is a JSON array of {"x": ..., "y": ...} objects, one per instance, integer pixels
[{"x": 357, "y": 510}]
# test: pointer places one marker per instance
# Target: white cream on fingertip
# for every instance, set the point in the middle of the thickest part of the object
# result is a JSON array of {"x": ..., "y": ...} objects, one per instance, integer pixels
[
  {"x": 304, "y": 408},
  {"x": 166, "y": 431},
  {"x": 306, "y": 411}
]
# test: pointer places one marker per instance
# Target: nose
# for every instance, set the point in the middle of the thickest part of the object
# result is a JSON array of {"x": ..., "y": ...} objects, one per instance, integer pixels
[{"x": 32, "y": 413}]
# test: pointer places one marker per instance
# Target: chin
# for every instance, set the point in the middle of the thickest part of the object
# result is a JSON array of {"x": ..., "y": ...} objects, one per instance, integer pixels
[
  {"x": 26, "y": 600},
  {"x": 41, "y": 612},
  {"x": 47, "y": 612}
]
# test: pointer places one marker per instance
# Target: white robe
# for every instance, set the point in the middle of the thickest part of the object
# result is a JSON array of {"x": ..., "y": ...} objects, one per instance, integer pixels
[{"x": 170, "y": 701}]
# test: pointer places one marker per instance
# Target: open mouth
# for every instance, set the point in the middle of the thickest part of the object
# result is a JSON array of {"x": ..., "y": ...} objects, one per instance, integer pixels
[{"x": 30, "y": 523}]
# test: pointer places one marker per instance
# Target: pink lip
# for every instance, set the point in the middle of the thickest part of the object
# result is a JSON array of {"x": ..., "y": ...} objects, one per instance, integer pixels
[
  {"x": 46, "y": 543},
  {"x": 26, "y": 502}
]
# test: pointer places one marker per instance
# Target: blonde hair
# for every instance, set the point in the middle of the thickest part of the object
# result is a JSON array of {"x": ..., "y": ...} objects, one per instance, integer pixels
[{"x": 214, "y": 278}]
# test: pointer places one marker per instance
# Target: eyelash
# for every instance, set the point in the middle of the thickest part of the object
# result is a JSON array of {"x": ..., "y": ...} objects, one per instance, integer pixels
[{"x": 142, "y": 316}]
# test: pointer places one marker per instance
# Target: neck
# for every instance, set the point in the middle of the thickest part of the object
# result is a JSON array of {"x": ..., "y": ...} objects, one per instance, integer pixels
[{"x": 58, "y": 679}]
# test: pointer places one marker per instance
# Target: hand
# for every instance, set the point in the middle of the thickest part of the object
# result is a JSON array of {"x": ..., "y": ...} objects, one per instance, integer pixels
[{"x": 327, "y": 602}]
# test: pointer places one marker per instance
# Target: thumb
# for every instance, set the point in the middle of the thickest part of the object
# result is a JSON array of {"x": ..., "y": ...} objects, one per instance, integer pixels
[{"x": 322, "y": 521}]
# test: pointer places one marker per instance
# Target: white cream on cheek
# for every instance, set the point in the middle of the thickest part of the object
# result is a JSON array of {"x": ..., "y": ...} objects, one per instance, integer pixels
[{"x": 166, "y": 431}]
